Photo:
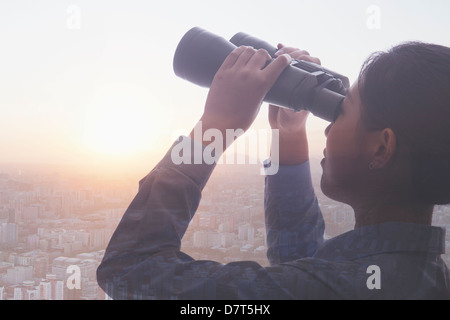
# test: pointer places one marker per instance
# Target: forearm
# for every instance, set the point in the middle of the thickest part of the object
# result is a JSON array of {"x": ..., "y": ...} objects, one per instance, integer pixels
[
  {"x": 158, "y": 216},
  {"x": 293, "y": 148},
  {"x": 294, "y": 222}
]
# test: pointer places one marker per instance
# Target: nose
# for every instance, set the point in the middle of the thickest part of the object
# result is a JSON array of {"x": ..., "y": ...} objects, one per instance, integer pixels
[{"x": 327, "y": 129}]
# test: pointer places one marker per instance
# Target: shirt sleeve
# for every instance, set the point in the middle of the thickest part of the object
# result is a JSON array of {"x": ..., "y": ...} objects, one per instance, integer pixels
[
  {"x": 294, "y": 222},
  {"x": 143, "y": 259},
  {"x": 159, "y": 215}
]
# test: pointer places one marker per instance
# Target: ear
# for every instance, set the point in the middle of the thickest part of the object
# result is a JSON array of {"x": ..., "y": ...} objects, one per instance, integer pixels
[{"x": 384, "y": 147}]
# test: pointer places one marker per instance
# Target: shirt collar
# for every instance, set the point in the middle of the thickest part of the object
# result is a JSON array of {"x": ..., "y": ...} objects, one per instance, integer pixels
[{"x": 384, "y": 238}]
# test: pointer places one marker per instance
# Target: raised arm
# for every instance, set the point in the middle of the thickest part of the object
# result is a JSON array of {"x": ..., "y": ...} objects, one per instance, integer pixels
[
  {"x": 143, "y": 258},
  {"x": 294, "y": 223}
]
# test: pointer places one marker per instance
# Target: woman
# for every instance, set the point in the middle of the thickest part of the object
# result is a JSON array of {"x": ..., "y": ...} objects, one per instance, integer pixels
[{"x": 387, "y": 155}]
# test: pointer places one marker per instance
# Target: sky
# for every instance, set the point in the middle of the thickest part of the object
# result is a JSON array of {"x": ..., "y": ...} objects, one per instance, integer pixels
[{"x": 91, "y": 83}]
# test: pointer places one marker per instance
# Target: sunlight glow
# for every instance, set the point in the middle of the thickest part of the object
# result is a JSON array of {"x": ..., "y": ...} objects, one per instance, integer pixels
[{"x": 122, "y": 119}]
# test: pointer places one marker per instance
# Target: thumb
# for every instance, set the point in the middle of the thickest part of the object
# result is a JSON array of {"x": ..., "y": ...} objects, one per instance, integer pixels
[
  {"x": 273, "y": 114},
  {"x": 274, "y": 69}
]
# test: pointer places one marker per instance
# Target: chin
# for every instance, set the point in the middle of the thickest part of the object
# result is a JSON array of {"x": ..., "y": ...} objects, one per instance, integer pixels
[
  {"x": 325, "y": 187},
  {"x": 325, "y": 182},
  {"x": 333, "y": 191}
]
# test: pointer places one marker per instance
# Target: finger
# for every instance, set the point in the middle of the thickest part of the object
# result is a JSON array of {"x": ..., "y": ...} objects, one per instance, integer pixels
[
  {"x": 231, "y": 59},
  {"x": 259, "y": 59},
  {"x": 286, "y": 114},
  {"x": 290, "y": 50},
  {"x": 273, "y": 111},
  {"x": 309, "y": 58},
  {"x": 298, "y": 53},
  {"x": 245, "y": 57},
  {"x": 274, "y": 69},
  {"x": 273, "y": 115}
]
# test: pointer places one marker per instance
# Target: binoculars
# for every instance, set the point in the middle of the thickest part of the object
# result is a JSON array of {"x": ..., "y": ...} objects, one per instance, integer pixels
[{"x": 303, "y": 85}]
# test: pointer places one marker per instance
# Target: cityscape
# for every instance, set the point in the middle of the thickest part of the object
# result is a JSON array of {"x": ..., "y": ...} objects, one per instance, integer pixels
[{"x": 55, "y": 226}]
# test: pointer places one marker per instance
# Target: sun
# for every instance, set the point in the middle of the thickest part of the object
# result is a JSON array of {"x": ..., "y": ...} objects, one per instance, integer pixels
[{"x": 122, "y": 119}]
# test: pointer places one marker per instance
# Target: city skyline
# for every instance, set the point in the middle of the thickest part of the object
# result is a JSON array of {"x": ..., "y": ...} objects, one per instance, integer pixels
[{"x": 49, "y": 225}]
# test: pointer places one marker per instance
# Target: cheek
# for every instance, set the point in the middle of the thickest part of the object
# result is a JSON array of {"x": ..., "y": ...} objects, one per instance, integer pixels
[
  {"x": 343, "y": 177},
  {"x": 343, "y": 168},
  {"x": 340, "y": 142}
]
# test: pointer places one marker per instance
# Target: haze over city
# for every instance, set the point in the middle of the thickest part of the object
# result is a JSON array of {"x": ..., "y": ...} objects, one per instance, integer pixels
[{"x": 90, "y": 103}]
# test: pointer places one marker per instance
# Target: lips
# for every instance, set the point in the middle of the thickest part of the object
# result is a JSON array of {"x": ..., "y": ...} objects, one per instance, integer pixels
[{"x": 324, "y": 156}]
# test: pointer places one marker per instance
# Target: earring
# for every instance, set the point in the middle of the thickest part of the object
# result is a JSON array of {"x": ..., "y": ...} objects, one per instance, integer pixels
[{"x": 371, "y": 166}]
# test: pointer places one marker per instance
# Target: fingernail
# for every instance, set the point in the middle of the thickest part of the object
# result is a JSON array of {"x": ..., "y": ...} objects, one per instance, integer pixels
[
  {"x": 288, "y": 57},
  {"x": 279, "y": 52}
]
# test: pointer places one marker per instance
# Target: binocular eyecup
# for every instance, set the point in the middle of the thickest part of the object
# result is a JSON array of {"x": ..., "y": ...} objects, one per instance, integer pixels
[{"x": 303, "y": 85}]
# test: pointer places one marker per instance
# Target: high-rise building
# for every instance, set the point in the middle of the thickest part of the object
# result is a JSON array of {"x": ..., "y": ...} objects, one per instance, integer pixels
[
  {"x": 30, "y": 291},
  {"x": 8, "y": 234},
  {"x": 45, "y": 290},
  {"x": 17, "y": 293},
  {"x": 51, "y": 278},
  {"x": 11, "y": 216},
  {"x": 213, "y": 222},
  {"x": 19, "y": 274},
  {"x": 206, "y": 239},
  {"x": 196, "y": 221},
  {"x": 32, "y": 242},
  {"x": 97, "y": 238},
  {"x": 30, "y": 213},
  {"x": 227, "y": 239},
  {"x": 59, "y": 290},
  {"x": 251, "y": 233},
  {"x": 200, "y": 239},
  {"x": 40, "y": 266},
  {"x": 243, "y": 231}
]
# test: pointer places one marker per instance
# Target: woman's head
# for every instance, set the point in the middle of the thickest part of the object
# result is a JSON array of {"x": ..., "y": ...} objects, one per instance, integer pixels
[{"x": 393, "y": 135}]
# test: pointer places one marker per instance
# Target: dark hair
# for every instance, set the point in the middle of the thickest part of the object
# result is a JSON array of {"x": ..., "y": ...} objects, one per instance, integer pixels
[{"x": 407, "y": 89}]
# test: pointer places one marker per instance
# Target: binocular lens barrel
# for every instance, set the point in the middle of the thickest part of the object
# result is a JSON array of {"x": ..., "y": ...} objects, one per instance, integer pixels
[
  {"x": 301, "y": 86},
  {"x": 199, "y": 55},
  {"x": 243, "y": 39}
]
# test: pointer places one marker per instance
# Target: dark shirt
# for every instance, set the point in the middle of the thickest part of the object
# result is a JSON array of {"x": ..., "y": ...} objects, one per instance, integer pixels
[{"x": 385, "y": 261}]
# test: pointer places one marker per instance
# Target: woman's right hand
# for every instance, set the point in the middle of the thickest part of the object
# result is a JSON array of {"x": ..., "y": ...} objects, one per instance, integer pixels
[
  {"x": 285, "y": 120},
  {"x": 293, "y": 144},
  {"x": 238, "y": 89}
]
